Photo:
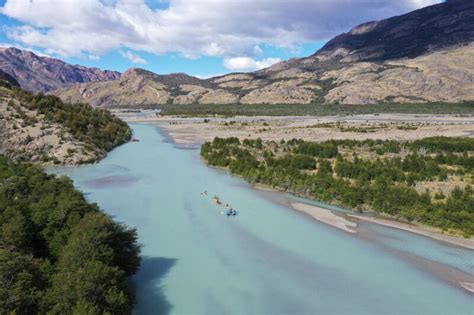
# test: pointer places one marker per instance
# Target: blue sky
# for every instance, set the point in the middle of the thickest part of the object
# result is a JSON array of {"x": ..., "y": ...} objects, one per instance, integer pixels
[{"x": 199, "y": 37}]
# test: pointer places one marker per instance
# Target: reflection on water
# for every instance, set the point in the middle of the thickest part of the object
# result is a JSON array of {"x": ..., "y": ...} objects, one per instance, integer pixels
[
  {"x": 113, "y": 181},
  {"x": 149, "y": 286}
]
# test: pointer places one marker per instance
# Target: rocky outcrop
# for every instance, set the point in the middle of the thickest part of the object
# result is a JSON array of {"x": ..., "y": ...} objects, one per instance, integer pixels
[
  {"x": 41, "y": 74},
  {"x": 26, "y": 135},
  {"x": 442, "y": 76},
  {"x": 218, "y": 96},
  {"x": 282, "y": 92}
]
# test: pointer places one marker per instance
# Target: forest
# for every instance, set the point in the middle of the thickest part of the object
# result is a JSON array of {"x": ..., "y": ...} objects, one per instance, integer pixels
[
  {"x": 428, "y": 181},
  {"x": 58, "y": 253}
]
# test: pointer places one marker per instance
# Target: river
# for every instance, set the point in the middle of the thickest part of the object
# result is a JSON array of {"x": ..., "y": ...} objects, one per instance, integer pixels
[{"x": 267, "y": 260}]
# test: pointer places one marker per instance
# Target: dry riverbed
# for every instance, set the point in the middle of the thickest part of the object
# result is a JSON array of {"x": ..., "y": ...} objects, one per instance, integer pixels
[{"x": 358, "y": 127}]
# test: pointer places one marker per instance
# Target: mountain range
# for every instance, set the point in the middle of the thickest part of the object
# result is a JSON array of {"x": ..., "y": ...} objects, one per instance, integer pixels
[
  {"x": 42, "y": 74},
  {"x": 423, "y": 56}
]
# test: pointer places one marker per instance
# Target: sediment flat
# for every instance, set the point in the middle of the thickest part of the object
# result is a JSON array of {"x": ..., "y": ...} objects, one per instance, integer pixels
[
  {"x": 325, "y": 216},
  {"x": 190, "y": 130}
]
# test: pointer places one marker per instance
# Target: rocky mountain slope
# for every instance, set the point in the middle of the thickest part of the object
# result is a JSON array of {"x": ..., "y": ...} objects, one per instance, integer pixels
[
  {"x": 411, "y": 35},
  {"x": 5, "y": 77},
  {"x": 41, "y": 74},
  {"x": 45, "y": 130},
  {"x": 423, "y": 56},
  {"x": 139, "y": 87}
]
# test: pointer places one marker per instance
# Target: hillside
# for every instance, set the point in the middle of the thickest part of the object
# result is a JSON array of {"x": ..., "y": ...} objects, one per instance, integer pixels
[
  {"x": 139, "y": 87},
  {"x": 44, "y": 129},
  {"x": 411, "y": 35},
  {"x": 41, "y": 74},
  {"x": 5, "y": 77}
]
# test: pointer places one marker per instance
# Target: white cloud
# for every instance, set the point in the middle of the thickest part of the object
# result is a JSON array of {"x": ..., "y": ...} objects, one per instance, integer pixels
[
  {"x": 248, "y": 64},
  {"x": 93, "y": 57},
  {"x": 132, "y": 57},
  {"x": 192, "y": 28}
]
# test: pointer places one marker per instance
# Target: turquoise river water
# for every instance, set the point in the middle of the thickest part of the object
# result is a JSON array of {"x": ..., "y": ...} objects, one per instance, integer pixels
[{"x": 267, "y": 260}]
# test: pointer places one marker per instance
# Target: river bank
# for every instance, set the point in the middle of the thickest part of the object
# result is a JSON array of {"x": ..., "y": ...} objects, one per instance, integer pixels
[
  {"x": 319, "y": 213},
  {"x": 349, "y": 224},
  {"x": 362, "y": 227}
]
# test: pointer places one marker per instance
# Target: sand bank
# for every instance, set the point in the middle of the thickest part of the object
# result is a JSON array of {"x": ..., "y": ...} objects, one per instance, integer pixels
[
  {"x": 462, "y": 242},
  {"x": 325, "y": 216},
  {"x": 468, "y": 286}
]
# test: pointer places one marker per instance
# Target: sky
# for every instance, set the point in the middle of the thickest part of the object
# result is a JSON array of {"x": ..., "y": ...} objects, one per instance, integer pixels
[{"x": 199, "y": 37}]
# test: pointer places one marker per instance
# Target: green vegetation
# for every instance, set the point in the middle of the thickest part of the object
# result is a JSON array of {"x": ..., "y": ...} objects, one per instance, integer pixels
[
  {"x": 96, "y": 127},
  {"x": 313, "y": 109},
  {"x": 401, "y": 179},
  {"x": 59, "y": 254}
]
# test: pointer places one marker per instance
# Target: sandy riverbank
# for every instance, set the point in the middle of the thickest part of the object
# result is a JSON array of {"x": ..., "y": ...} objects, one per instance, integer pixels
[
  {"x": 421, "y": 230},
  {"x": 342, "y": 222},
  {"x": 325, "y": 216},
  {"x": 468, "y": 286}
]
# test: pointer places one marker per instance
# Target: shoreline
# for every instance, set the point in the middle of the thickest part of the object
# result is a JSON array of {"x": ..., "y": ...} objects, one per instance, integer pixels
[
  {"x": 312, "y": 211},
  {"x": 343, "y": 222},
  {"x": 325, "y": 216},
  {"x": 467, "y": 243}
]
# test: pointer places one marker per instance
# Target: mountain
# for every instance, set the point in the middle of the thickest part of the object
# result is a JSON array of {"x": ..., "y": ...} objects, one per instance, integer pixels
[
  {"x": 5, "y": 77},
  {"x": 422, "y": 56},
  {"x": 142, "y": 87},
  {"x": 410, "y": 35},
  {"x": 42, "y": 74}
]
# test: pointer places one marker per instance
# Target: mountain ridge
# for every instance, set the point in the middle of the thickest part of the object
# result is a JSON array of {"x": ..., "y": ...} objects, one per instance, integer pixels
[
  {"x": 409, "y": 35},
  {"x": 42, "y": 74},
  {"x": 422, "y": 56}
]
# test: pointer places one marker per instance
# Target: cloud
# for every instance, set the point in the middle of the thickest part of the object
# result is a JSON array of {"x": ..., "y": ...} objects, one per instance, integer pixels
[
  {"x": 132, "y": 57},
  {"x": 93, "y": 57},
  {"x": 192, "y": 28},
  {"x": 248, "y": 64}
]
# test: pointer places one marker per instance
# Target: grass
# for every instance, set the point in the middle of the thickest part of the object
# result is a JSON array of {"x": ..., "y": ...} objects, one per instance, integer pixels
[{"x": 312, "y": 109}]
